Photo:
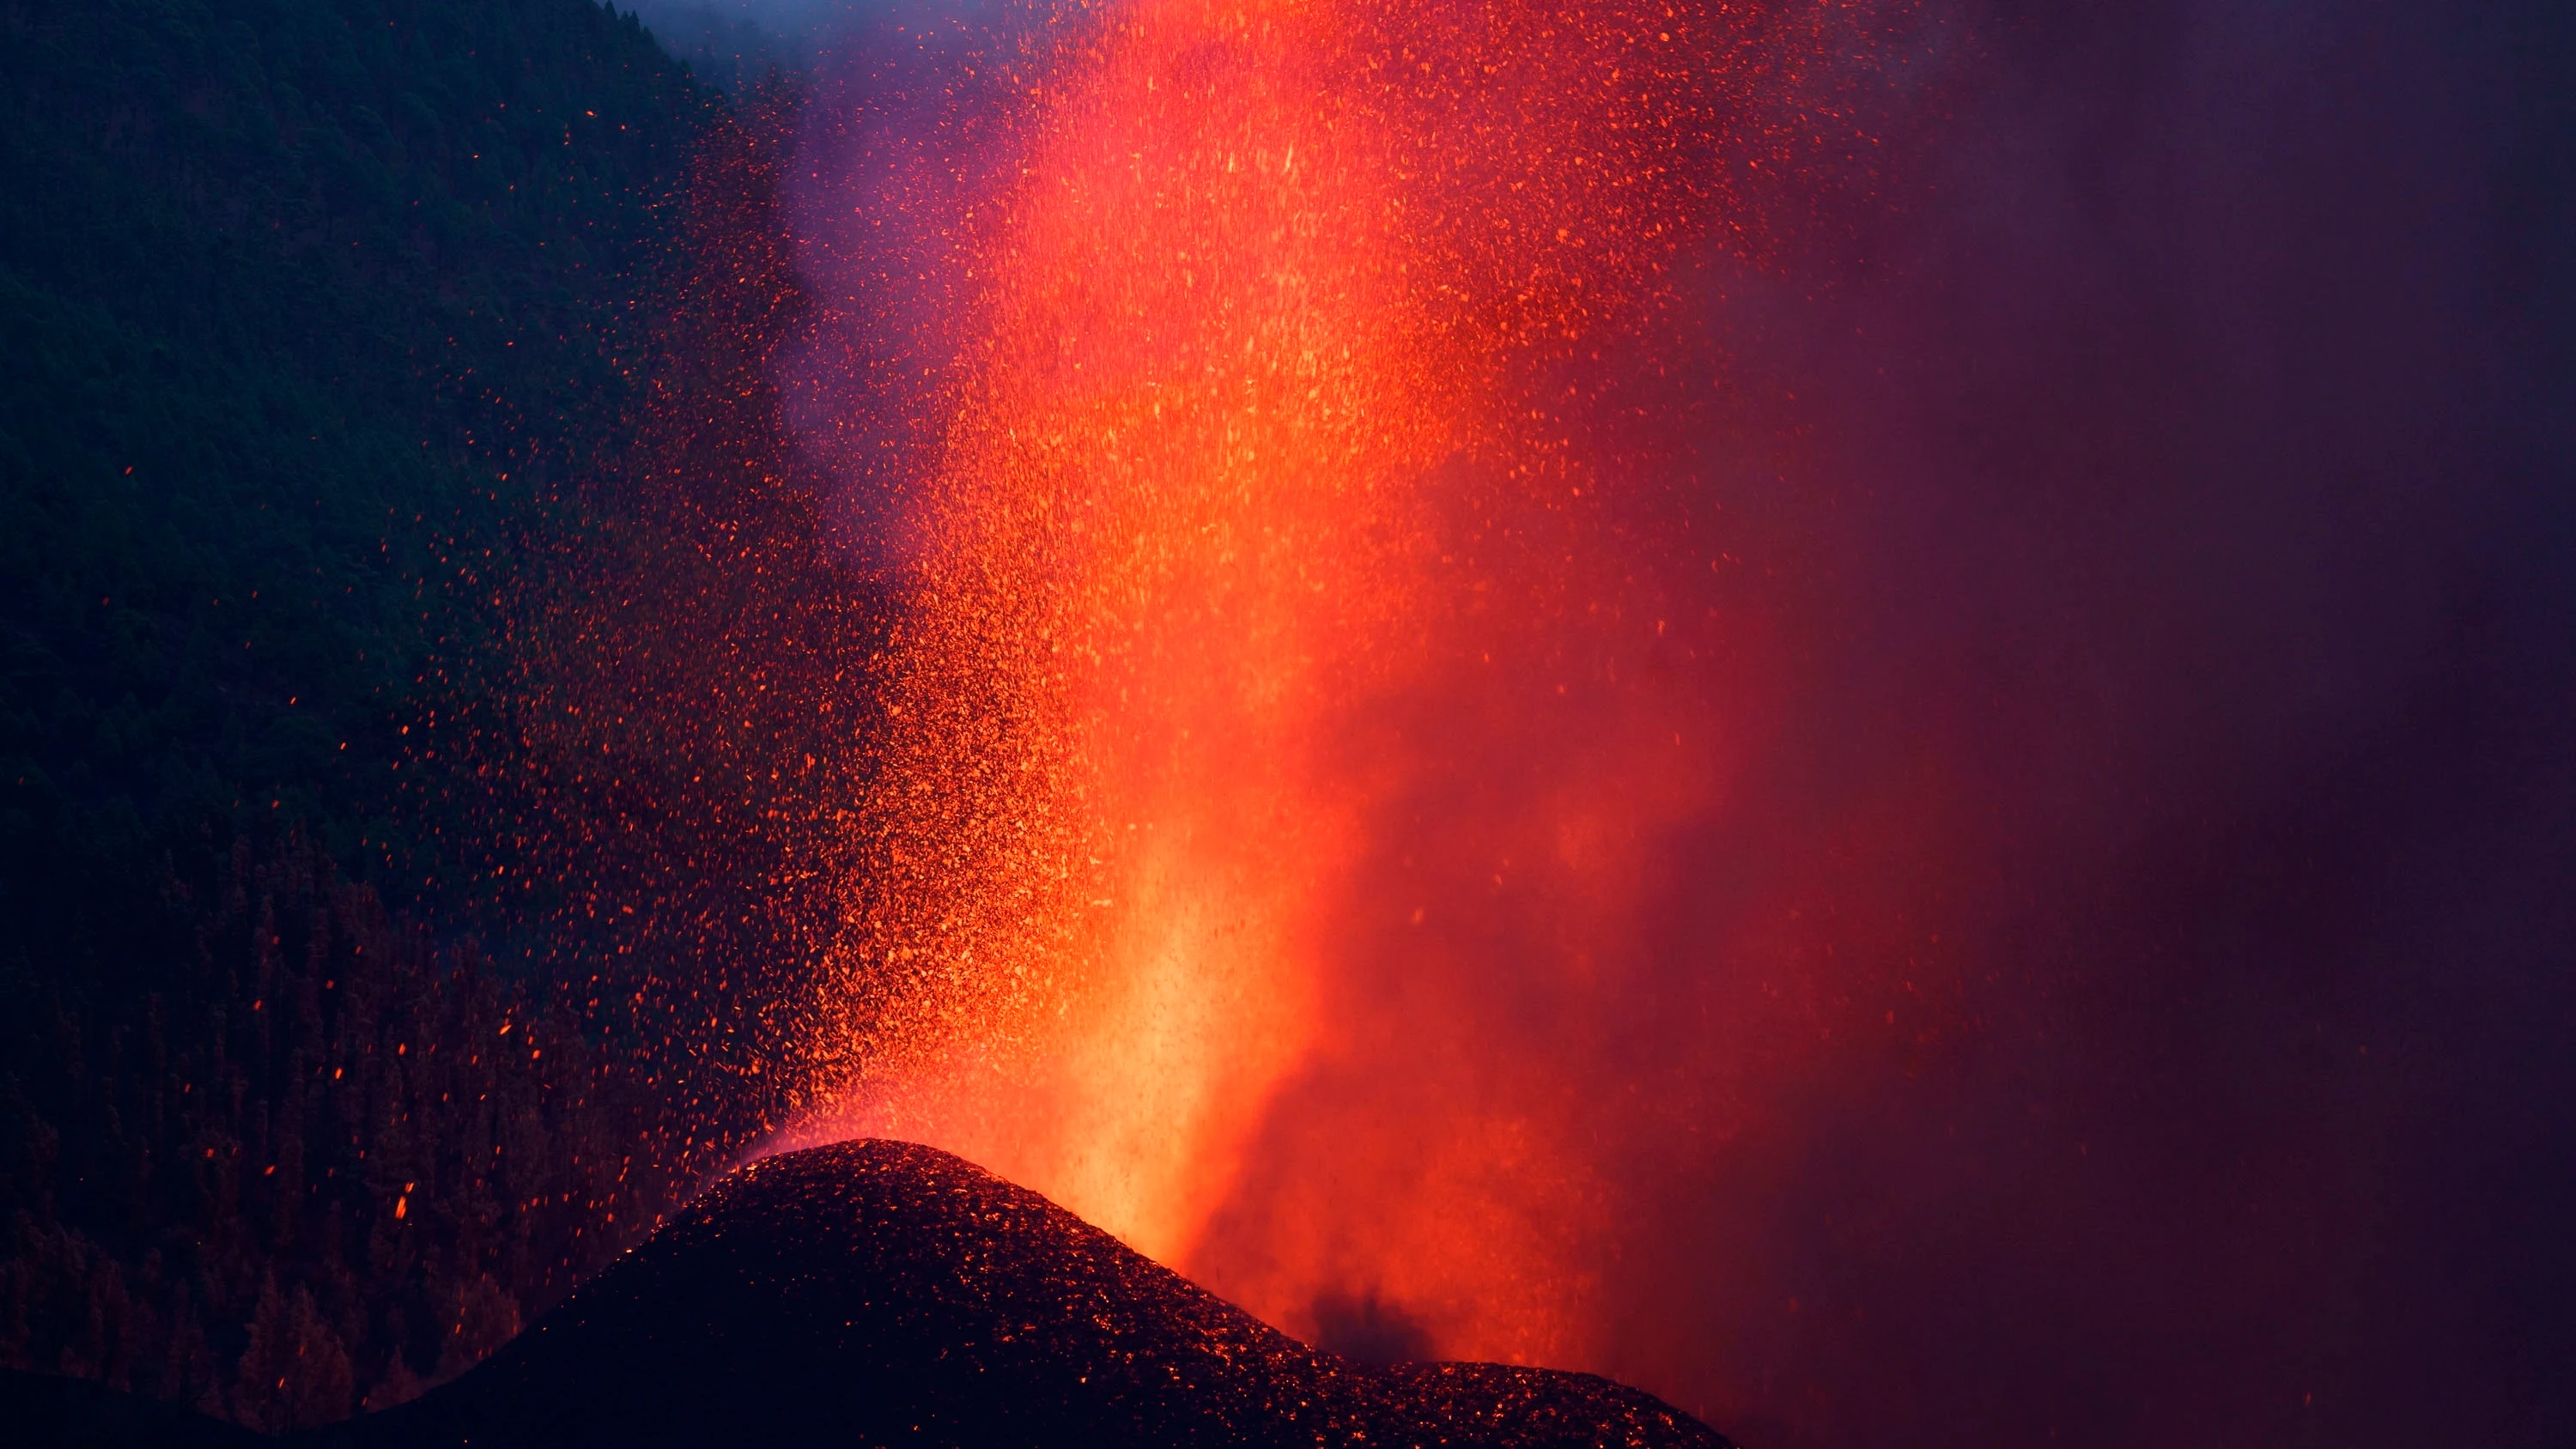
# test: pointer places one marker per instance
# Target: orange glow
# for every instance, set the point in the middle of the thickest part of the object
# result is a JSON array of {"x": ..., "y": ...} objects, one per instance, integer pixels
[{"x": 1306, "y": 614}]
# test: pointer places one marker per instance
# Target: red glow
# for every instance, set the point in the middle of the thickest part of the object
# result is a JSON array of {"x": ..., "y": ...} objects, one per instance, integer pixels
[{"x": 1318, "y": 631}]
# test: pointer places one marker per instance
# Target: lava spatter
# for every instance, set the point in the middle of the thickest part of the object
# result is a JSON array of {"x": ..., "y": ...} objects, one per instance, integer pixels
[{"x": 1305, "y": 597}]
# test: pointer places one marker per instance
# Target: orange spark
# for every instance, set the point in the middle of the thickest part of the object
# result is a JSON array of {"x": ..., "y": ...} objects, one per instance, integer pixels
[{"x": 1302, "y": 617}]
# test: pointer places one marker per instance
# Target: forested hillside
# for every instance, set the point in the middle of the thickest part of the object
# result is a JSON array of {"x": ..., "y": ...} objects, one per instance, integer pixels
[
  {"x": 328, "y": 331},
  {"x": 301, "y": 300},
  {"x": 331, "y": 1163}
]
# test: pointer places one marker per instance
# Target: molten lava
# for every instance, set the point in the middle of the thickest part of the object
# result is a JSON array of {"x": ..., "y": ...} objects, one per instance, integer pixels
[{"x": 1316, "y": 626}]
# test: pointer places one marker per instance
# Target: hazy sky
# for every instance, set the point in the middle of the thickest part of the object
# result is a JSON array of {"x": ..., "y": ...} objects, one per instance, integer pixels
[{"x": 793, "y": 18}]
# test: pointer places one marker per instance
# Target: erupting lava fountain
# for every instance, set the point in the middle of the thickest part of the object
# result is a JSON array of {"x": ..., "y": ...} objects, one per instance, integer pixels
[{"x": 1315, "y": 616}]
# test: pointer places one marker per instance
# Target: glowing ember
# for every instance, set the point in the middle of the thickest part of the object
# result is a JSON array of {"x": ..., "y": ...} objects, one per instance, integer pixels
[{"x": 1307, "y": 621}]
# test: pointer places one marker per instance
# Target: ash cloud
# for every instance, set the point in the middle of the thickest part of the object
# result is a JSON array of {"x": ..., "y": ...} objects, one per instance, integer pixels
[
  {"x": 2191, "y": 443},
  {"x": 2121, "y": 1001}
]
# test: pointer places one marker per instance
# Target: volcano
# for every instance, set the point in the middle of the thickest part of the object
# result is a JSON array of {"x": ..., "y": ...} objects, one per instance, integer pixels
[{"x": 888, "y": 1294}]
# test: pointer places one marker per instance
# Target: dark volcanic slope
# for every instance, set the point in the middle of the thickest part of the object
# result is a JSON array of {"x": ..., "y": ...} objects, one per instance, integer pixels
[
  {"x": 880, "y": 1293},
  {"x": 40, "y": 1411}
]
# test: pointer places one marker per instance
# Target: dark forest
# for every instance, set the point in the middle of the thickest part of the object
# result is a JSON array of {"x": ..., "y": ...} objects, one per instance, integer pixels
[{"x": 314, "y": 314}]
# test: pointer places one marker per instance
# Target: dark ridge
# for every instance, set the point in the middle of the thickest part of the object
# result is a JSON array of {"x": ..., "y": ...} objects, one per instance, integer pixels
[
  {"x": 43, "y": 1412},
  {"x": 882, "y": 1293}
]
